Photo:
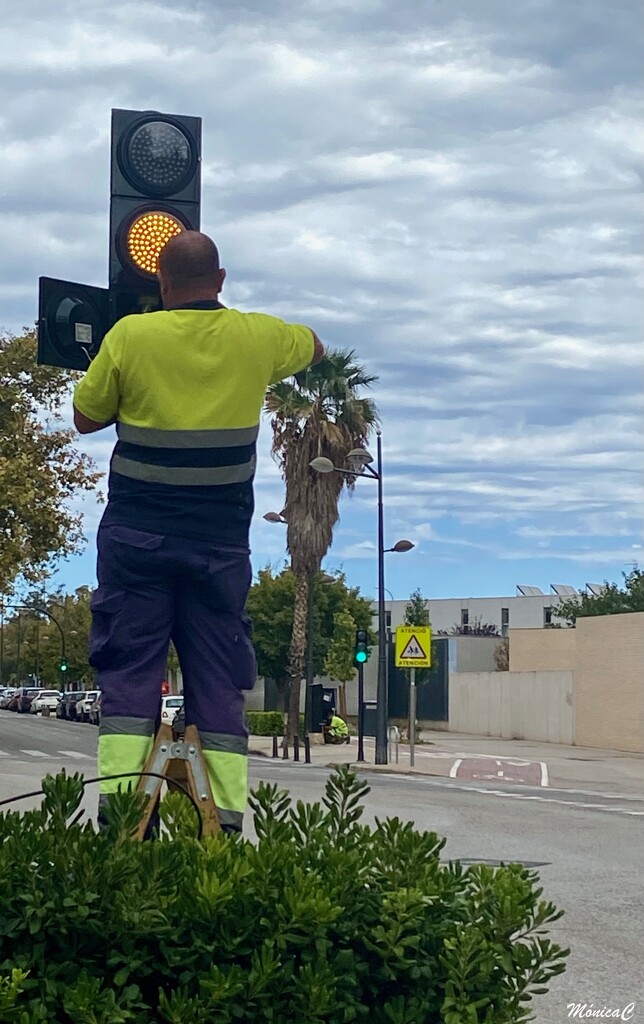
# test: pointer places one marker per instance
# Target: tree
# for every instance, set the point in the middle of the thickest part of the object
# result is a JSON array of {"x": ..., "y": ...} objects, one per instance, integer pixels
[
  {"x": 612, "y": 601},
  {"x": 417, "y": 612},
  {"x": 340, "y": 660},
  {"x": 32, "y": 646},
  {"x": 270, "y": 606},
  {"x": 320, "y": 414},
  {"x": 40, "y": 469}
]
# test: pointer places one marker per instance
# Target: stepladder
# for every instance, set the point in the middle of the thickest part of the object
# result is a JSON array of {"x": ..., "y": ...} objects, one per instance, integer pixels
[{"x": 182, "y": 762}]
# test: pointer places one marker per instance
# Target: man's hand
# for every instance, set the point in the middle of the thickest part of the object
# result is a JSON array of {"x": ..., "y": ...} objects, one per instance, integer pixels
[{"x": 84, "y": 425}]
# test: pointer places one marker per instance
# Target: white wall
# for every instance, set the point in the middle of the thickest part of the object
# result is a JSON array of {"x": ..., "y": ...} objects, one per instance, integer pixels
[{"x": 513, "y": 705}]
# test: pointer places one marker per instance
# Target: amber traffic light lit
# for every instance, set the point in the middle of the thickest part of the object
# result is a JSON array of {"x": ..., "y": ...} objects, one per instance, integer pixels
[{"x": 146, "y": 237}]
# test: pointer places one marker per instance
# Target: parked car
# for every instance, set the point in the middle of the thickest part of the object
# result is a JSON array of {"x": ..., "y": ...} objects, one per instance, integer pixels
[
  {"x": 67, "y": 707},
  {"x": 170, "y": 705},
  {"x": 6, "y": 695},
  {"x": 24, "y": 697},
  {"x": 45, "y": 699},
  {"x": 83, "y": 705},
  {"x": 94, "y": 713}
]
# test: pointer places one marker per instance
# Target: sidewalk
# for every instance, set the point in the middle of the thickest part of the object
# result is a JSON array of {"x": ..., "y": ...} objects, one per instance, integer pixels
[{"x": 583, "y": 768}]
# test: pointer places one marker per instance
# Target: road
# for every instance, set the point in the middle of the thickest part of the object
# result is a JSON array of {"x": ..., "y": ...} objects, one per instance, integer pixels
[{"x": 588, "y": 848}]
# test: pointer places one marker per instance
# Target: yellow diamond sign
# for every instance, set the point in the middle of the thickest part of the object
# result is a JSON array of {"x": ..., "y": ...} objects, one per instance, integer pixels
[{"x": 413, "y": 647}]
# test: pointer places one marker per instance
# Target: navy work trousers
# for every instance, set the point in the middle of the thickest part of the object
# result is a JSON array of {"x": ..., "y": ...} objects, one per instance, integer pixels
[{"x": 153, "y": 589}]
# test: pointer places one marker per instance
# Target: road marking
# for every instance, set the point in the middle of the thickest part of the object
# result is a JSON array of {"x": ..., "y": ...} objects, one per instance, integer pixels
[
  {"x": 544, "y": 773},
  {"x": 4, "y": 753},
  {"x": 35, "y": 753},
  {"x": 453, "y": 770},
  {"x": 76, "y": 753}
]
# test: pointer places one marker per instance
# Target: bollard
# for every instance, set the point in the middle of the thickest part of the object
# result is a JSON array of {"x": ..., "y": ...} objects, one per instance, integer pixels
[
  {"x": 285, "y": 749},
  {"x": 394, "y": 738},
  {"x": 275, "y": 752},
  {"x": 296, "y": 748},
  {"x": 307, "y": 750},
  {"x": 45, "y": 711}
]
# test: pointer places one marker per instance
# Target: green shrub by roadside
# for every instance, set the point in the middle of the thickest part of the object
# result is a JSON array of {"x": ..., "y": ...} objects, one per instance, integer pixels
[
  {"x": 323, "y": 921},
  {"x": 269, "y": 723}
]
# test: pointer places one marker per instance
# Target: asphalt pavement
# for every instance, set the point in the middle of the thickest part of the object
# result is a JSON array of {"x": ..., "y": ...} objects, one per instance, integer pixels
[{"x": 587, "y": 845}]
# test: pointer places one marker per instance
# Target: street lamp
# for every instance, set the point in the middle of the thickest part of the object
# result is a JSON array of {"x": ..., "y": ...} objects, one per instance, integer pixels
[
  {"x": 279, "y": 517},
  {"x": 361, "y": 460}
]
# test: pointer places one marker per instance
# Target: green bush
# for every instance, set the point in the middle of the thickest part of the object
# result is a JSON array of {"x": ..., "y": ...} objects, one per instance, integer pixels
[
  {"x": 323, "y": 921},
  {"x": 269, "y": 723},
  {"x": 265, "y": 723}
]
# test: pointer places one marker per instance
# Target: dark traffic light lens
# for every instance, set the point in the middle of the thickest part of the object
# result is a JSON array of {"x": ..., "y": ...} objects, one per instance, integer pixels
[{"x": 160, "y": 158}]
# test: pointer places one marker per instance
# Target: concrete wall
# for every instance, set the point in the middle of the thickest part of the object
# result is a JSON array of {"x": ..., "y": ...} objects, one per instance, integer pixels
[
  {"x": 609, "y": 682},
  {"x": 543, "y": 650},
  {"x": 514, "y": 705},
  {"x": 472, "y": 653}
]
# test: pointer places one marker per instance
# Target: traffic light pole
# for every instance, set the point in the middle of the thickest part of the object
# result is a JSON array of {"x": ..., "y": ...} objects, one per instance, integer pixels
[{"x": 361, "y": 756}]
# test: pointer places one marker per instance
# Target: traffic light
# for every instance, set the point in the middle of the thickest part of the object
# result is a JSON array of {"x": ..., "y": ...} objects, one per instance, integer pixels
[
  {"x": 72, "y": 319},
  {"x": 361, "y": 652},
  {"x": 63, "y": 666},
  {"x": 154, "y": 194}
]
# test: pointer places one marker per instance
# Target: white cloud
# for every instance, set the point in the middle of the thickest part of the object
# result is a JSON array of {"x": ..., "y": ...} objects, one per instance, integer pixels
[{"x": 453, "y": 193}]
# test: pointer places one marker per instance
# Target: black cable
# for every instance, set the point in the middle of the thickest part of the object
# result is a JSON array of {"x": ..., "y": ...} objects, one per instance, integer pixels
[{"x": 122, "y": 775}]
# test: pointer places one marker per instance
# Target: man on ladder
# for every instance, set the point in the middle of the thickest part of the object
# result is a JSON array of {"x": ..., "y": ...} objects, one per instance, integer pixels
[{"x": 185, "y": 387}]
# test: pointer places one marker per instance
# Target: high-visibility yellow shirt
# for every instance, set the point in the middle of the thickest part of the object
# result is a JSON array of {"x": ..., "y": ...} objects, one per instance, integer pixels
[{"x": 186, "y": 388}]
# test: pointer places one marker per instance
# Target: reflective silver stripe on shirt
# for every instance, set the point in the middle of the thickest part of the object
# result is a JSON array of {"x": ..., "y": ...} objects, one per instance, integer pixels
[
  {"x": 231, "y": 437},
  {"x": 204, "y": 476},
  {"x": 122, "y": 725},
  {"x": 223, "y": 743}
]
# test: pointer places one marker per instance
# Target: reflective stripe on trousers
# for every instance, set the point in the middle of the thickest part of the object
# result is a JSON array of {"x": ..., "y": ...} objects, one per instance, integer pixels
[{"x": 124, "y": 745}]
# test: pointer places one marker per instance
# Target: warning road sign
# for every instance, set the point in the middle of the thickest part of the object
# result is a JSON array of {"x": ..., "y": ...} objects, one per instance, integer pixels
[{"x": 413, "y": 647}]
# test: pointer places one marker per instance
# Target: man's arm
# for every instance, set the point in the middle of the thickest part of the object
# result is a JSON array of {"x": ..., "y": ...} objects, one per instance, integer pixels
[
  {"x": 96, "y": 396},
  {"x": 318, "y": 348},
  {"x": 84, "y": 425}
]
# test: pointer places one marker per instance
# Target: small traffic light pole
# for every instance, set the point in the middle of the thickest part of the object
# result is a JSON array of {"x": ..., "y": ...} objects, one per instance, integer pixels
[{"x": 361, "y": 756}]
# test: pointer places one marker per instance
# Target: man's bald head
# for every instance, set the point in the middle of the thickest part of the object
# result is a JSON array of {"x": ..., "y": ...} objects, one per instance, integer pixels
[{"x": 189, "y": 269}]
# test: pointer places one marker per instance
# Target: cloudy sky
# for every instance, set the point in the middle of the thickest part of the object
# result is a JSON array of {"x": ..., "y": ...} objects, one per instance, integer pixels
[{"x": 450, "y": 187}]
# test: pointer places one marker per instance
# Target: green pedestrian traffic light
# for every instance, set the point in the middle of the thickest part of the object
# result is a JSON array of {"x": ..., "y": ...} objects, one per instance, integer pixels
[{"x": 361, "y": 652}]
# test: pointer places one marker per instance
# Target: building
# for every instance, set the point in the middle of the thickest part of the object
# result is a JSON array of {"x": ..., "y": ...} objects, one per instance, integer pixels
[{"x": 530, "y": 608}]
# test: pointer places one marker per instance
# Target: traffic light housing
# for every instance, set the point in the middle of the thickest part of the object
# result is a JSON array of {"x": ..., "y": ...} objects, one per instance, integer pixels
[
  {"x": 361, "y": 651},
  {"x": 63, "y": 666},
  {"x": 155, "y": 193},
  {"x": 72, "y": 319}
]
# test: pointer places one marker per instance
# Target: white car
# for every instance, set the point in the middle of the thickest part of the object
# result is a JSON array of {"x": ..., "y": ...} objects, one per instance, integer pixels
[
  {"x": 170, "y": 705},
  {"x": 45, "y": 699},
  {"x": 84, "y": 704}
]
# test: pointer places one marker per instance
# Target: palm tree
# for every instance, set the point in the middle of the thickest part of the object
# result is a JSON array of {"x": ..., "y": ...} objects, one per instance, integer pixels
[{"x": 321, "y": 413}]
